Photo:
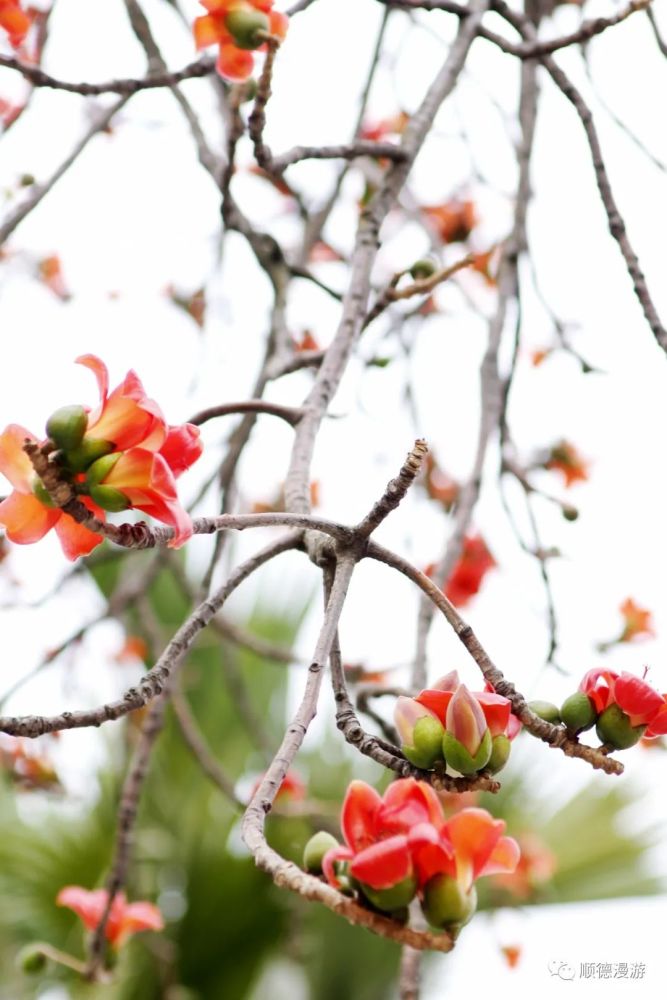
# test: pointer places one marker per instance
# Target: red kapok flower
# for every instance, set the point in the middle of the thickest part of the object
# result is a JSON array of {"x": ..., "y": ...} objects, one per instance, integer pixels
[
  {"x": 14, "y": 20},
  {"x": 389, "y": 838},
  {"x": 565, "y": 458},
  {"x": 237, "y": 26},
  {"x": 124, "y": 920},
  {"x": 640, "y": 702},
  {"x": 27, "y": 519},
  {"x": 466, "y": 578}
]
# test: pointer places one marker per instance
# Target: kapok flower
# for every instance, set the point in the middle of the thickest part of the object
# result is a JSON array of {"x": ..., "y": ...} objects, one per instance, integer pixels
[
  {"x": 478, "y": 848},
  {"x": 122, "y": 454},
  {"x": 627, "y": 707},
  {"x": 466, "y": 578},
  {"x": 14, "y": 20},
  {"x": 433, "y": 727},
  {"x": 565, "y": 458},
  {"x": 393, "y": 842},
  {"x": 26, "y": 518},
  {"x": 454, "y": 220},
  {"x": 125, "y": 919},
  {"x": 238, "y": 27}
]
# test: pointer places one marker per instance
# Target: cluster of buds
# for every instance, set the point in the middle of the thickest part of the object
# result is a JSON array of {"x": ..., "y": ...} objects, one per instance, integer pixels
[
  {"x": 462, "y": 731},
  {"x": 623, "y": 708},
  {"x": 238, "y": 27},
  {"x": 399, "y": 847},
  {"x": 121, "y": 455}
]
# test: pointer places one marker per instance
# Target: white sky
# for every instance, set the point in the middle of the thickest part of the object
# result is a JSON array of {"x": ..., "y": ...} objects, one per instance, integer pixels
[{"x": 137, "y": 213}]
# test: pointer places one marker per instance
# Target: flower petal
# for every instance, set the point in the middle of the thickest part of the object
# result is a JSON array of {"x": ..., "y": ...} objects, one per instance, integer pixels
[
  {"x": 88, "y": 905},
  {"x": 99, "y": 370},
  {"x": 14, "y": 463},
  {"x": 474, "y": 834},
  {"x": 497, "y": 711},
  {"x": 234, "y": 64},
  {"x": 384, "y": 864},
  {"x": 436, "y": 701},
  {"x": 182, "y": 447},
  {"x": 75, "y": 539},
  {"x": 25, "y": 519},
  {"x": 431, "y": 852},
  {"x": 406, "y": 803},
  {"x": 637, "y": 698},
  {"x": 358, "y": 815},
  {"x": 329, "y": 861},
  {"x": 503, "y": 859}
]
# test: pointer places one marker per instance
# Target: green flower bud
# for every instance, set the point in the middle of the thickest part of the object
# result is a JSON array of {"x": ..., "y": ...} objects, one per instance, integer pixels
[
  {"x": 40, "y": 491},
  {"x": 545, "y": 710},
  {"x": 458, "y": 758},
  {"x": 500, "y": 753},
  {"x": 109, "y": 498},
  {"x": 426, "y": 742},
  {"x": 78, "y": 459},
  {"x": 67, "y": 426},
  {"x": 244, "y": 25},
  {"x": 31, "y": 959},
  {"x": 446, "y": 905},
  {"x": 101, "y": 468},
  {"x": 315, "y": 849},
  {"x": 394, "y": 898},
  {"x": 614, "y": 727},
  {"x": 578, "y": 712},
  {"x": 570, "y": 513},
  {"x": 424, "y": 268}
]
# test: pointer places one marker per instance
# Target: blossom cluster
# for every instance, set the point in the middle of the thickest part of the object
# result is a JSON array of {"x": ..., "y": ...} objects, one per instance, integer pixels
[
  {"x": 461, "y": 730},
  {"x": 120, "y": 455},
  {"x": 400, "y": 846},
  {"x": 623, "y": 708},
  {"x": 238, "y": 27}
]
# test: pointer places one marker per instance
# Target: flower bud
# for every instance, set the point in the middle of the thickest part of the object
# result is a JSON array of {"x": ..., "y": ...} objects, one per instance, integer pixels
[
  {"x": 570, "y": 513},
  {"x": 446, "y": 904},
  {"x": 420, "y": 731},
  {"x": 31, "y": 959},
  {"x": 394, "y": 898},
  {"x": 244, "y": 24},
  {"x": 100, "y": 469},
  {"x": 578, "y": 712},
  {"x": 460, "y": 760},
  {"x": 465, "y": 721},
  {"x": 424, "y": 268},
  {"x": 614, "y": 727},
  {"x": 545, "y": 710},
  {"x": 315, "y": 849},
  {"x": 500, "y": 753},
  {"x": 109, "y": 498},
  {"x": 78, "y": 459},
  {"x": 67, "y": 426}
]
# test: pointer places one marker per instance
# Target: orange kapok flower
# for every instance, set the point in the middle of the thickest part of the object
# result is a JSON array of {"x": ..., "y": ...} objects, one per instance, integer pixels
[
  {"x": 638, "y": 621},
  {"x": 14, "y": 20},
  {"x": 124, "y": 920},
  {"x": 512, "y": 954},
  {"x": 466, "y": 578},
  {"x": 51, "y": 274},
  {"x": 454, "y": 220},
  {"x": 238, "y": 27},
  {"x": 122, "y": 454},
  {"x": 536, "y": 866},
  {"x": 565, "y": 458}
]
